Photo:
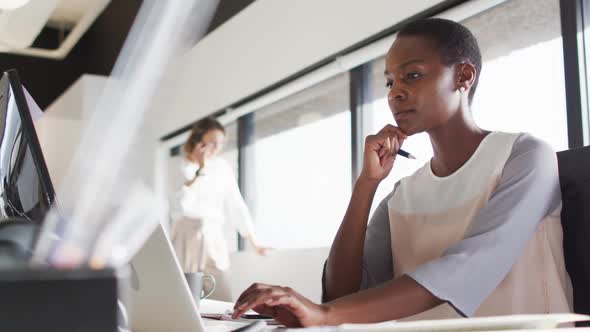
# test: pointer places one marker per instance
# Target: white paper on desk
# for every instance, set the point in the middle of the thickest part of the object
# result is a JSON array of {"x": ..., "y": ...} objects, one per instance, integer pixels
[{"x": 512, "y": 322}]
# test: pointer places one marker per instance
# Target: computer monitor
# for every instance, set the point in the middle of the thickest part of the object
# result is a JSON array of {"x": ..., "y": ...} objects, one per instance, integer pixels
[{"x": 26, "y": 190}]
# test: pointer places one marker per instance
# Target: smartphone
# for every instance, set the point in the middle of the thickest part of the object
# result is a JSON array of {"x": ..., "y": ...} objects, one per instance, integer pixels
[{"x": 255, "y": 316}]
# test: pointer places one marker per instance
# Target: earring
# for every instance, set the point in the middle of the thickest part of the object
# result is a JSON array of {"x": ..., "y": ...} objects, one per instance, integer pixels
[{"x": 462, "y": 89}]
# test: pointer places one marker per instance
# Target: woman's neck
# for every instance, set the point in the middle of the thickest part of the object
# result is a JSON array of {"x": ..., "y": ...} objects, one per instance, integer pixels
[{"x": 454, "y": 143}]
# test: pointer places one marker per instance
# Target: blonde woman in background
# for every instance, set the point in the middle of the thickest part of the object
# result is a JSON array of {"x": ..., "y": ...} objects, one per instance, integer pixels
[{"x": 209, "y": 197}]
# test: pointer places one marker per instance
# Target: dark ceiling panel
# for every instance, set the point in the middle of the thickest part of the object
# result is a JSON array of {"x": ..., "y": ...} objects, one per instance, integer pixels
[{"x": 226, "y": 10}]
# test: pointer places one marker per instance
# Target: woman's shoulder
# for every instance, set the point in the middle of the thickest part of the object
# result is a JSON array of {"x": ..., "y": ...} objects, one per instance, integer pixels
[
  {"x": 187, "y": 167},
  {"x": 500, "y": 150},
  {"x": 534, "y": 149},
  {"x": 504, "y": 147},
  {"x": 218, "y": 162},
  {"x": 220, "y": 166},
  {"x": 531, "y": 157}
]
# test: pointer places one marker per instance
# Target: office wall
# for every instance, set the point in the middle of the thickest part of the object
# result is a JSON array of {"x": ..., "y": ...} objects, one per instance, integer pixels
[
  {"x": 58, "y": 138},
  {"x": 299, "y": 269},
  {"x": 59, "y": 127},
  {"x": 269, "y": 41}
]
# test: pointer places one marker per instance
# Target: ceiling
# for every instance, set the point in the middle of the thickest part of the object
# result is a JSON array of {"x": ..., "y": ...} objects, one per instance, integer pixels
[
  {"x": 94, "y": 53},
  {"x": 70, "y": 11}
]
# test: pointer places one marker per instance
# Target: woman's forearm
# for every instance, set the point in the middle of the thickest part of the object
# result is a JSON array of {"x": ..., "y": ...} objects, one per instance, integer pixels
[
  {"x": 395, "y": 299},
  {"x": 343, "y": 268}
]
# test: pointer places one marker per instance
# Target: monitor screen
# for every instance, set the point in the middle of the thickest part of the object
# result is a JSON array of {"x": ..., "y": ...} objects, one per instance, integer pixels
[{"x": 26, "y": 190}]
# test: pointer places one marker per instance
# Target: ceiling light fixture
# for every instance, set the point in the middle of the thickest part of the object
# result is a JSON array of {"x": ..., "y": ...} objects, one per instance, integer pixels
[{"x": 12, "y": 4}]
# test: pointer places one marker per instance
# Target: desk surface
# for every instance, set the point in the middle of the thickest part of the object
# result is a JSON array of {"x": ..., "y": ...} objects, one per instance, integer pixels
[
  {"x": 213, "y": 325},
  {"x": 213, "y": 306}
]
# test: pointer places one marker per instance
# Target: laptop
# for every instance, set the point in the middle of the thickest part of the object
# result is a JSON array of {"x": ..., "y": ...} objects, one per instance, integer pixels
[{"x": 159, "y": 298}]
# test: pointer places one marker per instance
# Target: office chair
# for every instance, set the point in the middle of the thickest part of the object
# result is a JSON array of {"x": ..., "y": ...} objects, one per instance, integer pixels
[{"x": 574, "y": 178}]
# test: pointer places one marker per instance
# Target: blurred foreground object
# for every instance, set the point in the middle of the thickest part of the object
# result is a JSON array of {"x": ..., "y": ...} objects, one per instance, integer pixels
[{"x": 107, "y": 204}]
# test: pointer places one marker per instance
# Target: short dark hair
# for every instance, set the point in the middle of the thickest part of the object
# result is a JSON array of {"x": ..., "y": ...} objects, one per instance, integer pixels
[
  {"x": 454, "y": 42},
  {"x": 200, "y": 128}
]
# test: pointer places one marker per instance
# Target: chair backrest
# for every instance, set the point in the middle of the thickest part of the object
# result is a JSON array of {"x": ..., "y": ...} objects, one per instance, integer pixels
[{"x": 574, "y": 177}]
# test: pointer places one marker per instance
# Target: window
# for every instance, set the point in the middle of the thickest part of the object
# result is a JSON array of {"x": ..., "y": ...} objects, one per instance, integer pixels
[
  {"x": 230, "y": 150},
  {"x": 521, "y": 87},
  {"x": 302, "y": 170}
]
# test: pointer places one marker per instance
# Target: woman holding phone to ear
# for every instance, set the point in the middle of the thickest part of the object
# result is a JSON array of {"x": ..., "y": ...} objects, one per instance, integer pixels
[
  {"x": 208, "y": 198},
  {"x": 475, "y": 231}
]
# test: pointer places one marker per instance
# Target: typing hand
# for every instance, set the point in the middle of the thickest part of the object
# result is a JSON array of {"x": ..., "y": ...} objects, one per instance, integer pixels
[{"x": 283, "y": 304}]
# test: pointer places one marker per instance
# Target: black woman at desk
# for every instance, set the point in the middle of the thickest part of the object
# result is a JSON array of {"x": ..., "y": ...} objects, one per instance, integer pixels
[{"x": 474, "y": 232}]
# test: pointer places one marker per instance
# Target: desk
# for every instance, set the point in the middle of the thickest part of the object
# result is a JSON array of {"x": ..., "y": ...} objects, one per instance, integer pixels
[{"x": 213, "y": 306}]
